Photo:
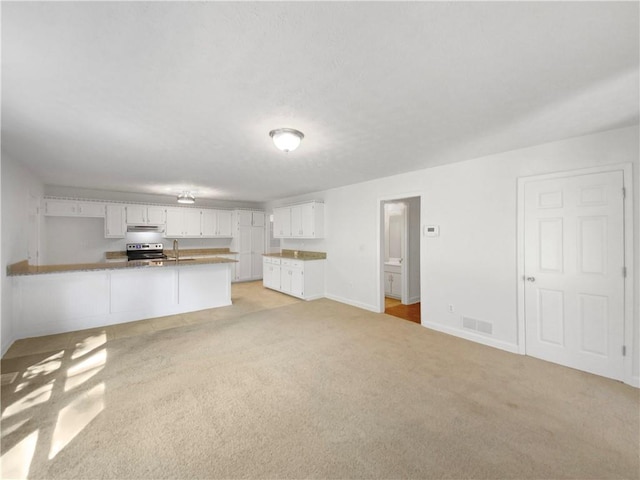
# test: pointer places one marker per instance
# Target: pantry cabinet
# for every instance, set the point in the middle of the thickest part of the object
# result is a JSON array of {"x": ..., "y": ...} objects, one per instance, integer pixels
[
  {"x": 249, "y": 242},
  {"x": 305, "y": 220}
]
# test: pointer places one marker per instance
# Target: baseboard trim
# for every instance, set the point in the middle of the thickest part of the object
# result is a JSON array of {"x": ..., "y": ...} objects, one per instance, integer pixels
[
  {"x": 490, "y": 342},
  {"x": 634, "y": 381},
  {"x": 5, "y": 345},
  {"x": 413, "y": 300},
  {"x": 354, "y": 303}
]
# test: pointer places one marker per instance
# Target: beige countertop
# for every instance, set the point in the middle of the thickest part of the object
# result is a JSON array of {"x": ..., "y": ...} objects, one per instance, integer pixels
[
  {"x": 23, "y": 268},
  {"x": 298, "y": 255}
]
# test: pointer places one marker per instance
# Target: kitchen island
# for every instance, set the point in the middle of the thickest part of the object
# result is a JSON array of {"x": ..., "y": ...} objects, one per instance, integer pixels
[{"x": 52, "y": 299}]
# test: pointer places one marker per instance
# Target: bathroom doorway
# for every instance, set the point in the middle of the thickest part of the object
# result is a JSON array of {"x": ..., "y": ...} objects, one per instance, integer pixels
[{"x": 400, "y": 257}]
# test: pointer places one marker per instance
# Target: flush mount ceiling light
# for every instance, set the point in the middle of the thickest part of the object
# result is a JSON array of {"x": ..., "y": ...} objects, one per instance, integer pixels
[
  {"x": 286, "y": 139},
  {"x": 186, "y": 197}
]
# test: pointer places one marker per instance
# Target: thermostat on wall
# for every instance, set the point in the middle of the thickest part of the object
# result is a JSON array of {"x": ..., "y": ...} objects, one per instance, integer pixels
[{"x": 431, "y": 231}]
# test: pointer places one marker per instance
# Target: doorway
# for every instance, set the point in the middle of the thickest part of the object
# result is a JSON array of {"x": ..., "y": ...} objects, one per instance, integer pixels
[
  {"x": 400, "y": 257},
  {"x": 572, "y": 271}
]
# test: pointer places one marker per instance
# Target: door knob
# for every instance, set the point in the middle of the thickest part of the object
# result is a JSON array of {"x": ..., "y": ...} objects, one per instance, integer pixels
[{"x": 531, "y": 279}]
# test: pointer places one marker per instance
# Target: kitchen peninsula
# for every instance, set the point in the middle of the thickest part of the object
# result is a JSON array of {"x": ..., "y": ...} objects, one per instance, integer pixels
[{"x": 52, "y": 299}]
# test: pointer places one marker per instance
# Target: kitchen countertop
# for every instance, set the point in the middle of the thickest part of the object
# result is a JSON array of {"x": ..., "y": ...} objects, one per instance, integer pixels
[
  {"x": 298, "y": 255},
  {"x": 23, "y": 268}
]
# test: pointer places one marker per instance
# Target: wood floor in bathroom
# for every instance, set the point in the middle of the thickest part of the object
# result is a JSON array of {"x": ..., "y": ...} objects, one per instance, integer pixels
[{"x": 394, "y": 307}]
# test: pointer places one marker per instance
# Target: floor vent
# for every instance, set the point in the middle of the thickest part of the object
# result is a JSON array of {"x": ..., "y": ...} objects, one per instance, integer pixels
[
  {"x": 477, "y": 325},
  {"x": 8, "y": 378}
]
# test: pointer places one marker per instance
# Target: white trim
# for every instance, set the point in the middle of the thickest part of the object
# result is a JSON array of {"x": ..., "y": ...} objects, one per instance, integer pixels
[
  {"x": 354, "y": 303},
  {"x": 413, "y": 300},
  {"x": 380, "y": 241},
  {"x": 6, "y": 344},
  {"x": 488, "y": 341},
  {"x": 629, "y": 292}
]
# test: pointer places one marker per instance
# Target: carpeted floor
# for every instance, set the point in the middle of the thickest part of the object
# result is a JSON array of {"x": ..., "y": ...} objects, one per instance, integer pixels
[{"x": 272, "y": 387}]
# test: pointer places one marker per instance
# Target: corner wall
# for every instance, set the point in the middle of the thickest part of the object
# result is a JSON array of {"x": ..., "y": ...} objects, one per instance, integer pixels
[
  {"x": 18, "y": 184},
  {"x": 472, "y": 265}
]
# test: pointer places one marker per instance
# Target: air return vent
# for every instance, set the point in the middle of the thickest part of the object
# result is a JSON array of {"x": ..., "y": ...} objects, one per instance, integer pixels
[{"x": 477, "y": 325}]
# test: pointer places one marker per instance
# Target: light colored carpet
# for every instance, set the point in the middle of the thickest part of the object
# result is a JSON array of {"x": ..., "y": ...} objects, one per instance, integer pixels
[{"x": 277, "y": 388}]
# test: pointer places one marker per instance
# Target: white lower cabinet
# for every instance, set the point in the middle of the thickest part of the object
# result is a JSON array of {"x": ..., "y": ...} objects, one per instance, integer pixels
[
  {"x": 393, "y": 281},
  {"x": 299, "y": 278}
]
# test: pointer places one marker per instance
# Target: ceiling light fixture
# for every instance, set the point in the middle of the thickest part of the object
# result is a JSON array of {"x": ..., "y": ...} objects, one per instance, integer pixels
[
  {"x": 286, "y": 139},
  {"x": 186, "y": 197}
]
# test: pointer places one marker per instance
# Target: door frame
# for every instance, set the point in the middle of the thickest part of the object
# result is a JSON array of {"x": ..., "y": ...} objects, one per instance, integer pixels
[
  {"x": 629, "y": 292},
  {"x": 380, "y": 228}
]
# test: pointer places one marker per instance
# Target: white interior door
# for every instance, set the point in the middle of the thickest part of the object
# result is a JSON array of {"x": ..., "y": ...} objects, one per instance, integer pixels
[{"x": 574, "y": 281}]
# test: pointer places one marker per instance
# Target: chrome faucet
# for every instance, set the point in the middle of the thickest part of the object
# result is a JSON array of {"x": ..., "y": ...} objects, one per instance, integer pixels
[{"x": 176, "y": 250}]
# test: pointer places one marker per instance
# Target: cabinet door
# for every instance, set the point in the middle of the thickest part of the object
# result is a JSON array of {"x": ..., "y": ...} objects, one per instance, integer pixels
[
  {"x": 296, "y": 221},
  {"x": 257, "y": 219},
  {"x": 155, "y": 215},
  {"x": 60, "y": 208},
  {"x": 91, "y": 209},
  {"x": 114, "y": 224},
  {"x": 257, "y": 249},
  {"x": 245, "y": 218},
  {"x": 268, "y": 277},
  {"x": 192, "y": 223},
  {"x": 257, "y": 240},
  {"x": 175, "y": 220},
  {"x": 282, "y": 222},
  {"x": 136, "y": 214},
  {"x": 387, "y": 283},
  {"x": 285, "y": 279},
  {"x": 297, "y": 281},
  {"x": 243, "y": 267},
  {"x": 209, "y": 223},
  {"x": 224, "y": 228},
  {"x": 307, "y": 220}
]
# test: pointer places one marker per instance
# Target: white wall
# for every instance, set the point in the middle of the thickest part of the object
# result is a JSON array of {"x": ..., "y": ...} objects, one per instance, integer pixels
[
  {"x": 18, "y": 184},
  {"x": 472, "y": 265}
]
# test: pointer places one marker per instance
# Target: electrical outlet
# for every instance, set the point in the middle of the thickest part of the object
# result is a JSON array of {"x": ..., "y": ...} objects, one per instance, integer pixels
[{"x": 451, "y": 308}]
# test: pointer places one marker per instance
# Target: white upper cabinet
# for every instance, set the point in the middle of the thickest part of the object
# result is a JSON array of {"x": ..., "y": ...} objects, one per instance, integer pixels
[
  {"x": 205, "y": 223},
  {"x": 305, "y": 220},
  {"x": 73, "y": 208},
  {"x": 145, "y": 215},
  {"x": 282, "y": 222},
  {"x": 183, "y": 222},
  {"x": 217, "y": 223},
  {"x": 114, "y": 222}
]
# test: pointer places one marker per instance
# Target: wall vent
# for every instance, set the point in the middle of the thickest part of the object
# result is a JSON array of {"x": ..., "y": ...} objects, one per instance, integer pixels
[{"x": 477, "y": 325}]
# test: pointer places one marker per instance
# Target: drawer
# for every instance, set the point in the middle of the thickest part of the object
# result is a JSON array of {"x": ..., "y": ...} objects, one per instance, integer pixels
[
  {"x": 271, "y": 260},
  {"x": 287, "y": 262}
]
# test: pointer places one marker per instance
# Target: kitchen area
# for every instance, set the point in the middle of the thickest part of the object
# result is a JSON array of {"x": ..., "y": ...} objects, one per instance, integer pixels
[{"x": 96, "y": 263}]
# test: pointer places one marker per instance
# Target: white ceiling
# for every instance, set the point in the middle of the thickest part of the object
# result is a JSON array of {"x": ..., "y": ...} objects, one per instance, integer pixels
[{"x": 156, "y": 97}]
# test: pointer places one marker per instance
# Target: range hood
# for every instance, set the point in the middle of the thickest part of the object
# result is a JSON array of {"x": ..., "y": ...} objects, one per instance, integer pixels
[{"x": 145, "y": 228}]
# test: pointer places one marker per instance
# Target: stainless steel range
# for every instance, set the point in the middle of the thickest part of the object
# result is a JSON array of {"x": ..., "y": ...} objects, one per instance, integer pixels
[{"x": 145, "y": 251}]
